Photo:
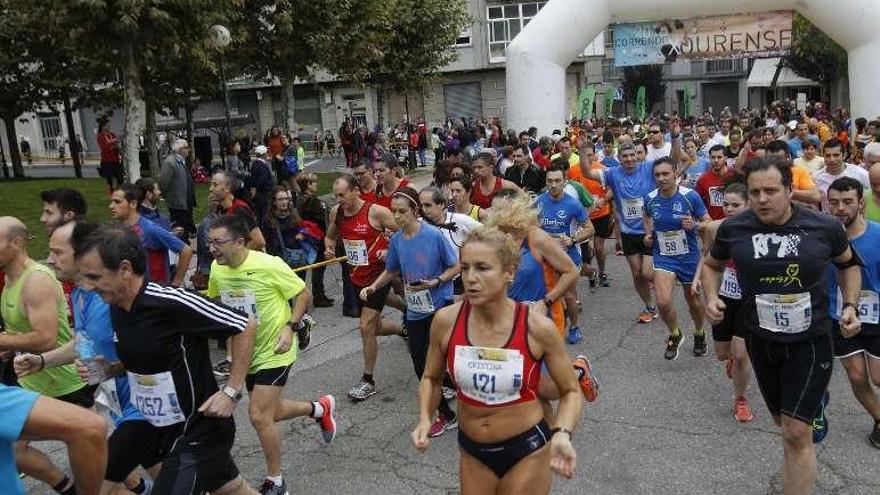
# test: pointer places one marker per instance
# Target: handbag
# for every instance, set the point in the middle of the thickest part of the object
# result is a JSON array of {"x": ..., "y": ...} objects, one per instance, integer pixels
[{"x": 295, "y": 257}]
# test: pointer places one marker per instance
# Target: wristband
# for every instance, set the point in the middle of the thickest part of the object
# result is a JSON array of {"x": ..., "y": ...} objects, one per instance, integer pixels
[
  {"x": 42, "y": 362},
  {"x": 558, "y": 429},
  {"x": 849, "y": 305}
]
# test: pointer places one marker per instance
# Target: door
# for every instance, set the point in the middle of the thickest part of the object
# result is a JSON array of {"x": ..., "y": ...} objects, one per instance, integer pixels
[{"x": 463, "y": 100}]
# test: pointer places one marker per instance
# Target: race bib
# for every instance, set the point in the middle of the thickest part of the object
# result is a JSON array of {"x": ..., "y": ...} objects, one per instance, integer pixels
[
  {"x": 242, "y": 300},
  {"x": 784, "y": 313},
  {"x": 356, "y": 251},
  {"x": 716, "y": 196},
  {"x": 868, "y": 306},
  {"x": 491, "y": 376},
  {"x": 633, "y": 208},
  {"x": 156, "y": 398},
  {"x": 109, "y": 397},
  {"x": 673, "y": 243},
  {"x": 419, "y": 301},
  {"x": 730, "y": 285}
]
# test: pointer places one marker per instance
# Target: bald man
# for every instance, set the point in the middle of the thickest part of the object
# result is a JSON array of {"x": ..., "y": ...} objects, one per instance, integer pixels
[{"x": 35, "y": 314}]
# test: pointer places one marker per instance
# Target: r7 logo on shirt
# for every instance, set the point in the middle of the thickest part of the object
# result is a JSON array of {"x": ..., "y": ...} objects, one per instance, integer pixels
[{"x": 787, "y": 245}]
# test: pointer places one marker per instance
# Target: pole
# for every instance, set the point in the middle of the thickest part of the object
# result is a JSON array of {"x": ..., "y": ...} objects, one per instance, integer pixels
[{"x": 226, "y": 104}]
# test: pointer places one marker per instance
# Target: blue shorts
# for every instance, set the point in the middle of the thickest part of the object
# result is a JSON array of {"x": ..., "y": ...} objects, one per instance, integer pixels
[
  {"x": 684, "y": 267},
  {"x": 574, "y": 252}
]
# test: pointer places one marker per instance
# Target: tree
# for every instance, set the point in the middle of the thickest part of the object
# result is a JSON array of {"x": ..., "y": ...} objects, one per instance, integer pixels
[
  {"x": 649, "y": 76},
  {"x": 20, "y": 76},
  {"x": 813, "y": 54}
]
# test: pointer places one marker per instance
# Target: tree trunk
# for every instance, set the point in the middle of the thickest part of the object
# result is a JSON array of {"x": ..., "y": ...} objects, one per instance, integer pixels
[
  {"x": 188, "y": 110},
  {"x": 150, "y": 137},
  {"x": 135, "y": 117},
  {"x": 75, "y": 152},
  {"x": 288, "y": 104},
  {"x": 406, "y": 106},
  {"x": 17, "y": 169}
]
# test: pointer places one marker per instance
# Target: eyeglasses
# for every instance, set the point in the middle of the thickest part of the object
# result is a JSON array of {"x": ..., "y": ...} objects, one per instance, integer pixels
[
  {"x": 218, "y": 242},
  {"x": 655, "y": 131}
]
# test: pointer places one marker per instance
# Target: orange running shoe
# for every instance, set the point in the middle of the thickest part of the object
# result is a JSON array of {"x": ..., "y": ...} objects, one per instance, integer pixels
[
  {"x": 741, "y": 410},
  {"x": 589, "y": 383},
  {"x": 647, "y": 315}
]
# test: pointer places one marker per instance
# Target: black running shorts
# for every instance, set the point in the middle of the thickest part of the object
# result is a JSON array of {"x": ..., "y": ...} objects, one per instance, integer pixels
[
  {"x": 272, "y": 377},
  {"x": 730, "y": 326},
  {"x": 635, "y": 244},
  {"x": 867, "y": 341},
  {"x": 604, "y": 226},
  {"x": 376, "y": 301},
  {"x": 200, "y": 466},
  {"x": 84, "y": 397},
  {"x": 792, "y": 376},
  {"x": 132, "y": 444}
]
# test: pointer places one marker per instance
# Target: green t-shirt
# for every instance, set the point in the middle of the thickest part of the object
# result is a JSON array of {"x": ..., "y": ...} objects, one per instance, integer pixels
[
  {"x": 872, "y": 211},
  {"x": 52, "y": 382},
  {"x": 262, "y": 287}
]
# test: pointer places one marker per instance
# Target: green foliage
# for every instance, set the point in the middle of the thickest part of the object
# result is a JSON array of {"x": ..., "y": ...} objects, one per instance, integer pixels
[
  {"x": 649, "y": 76},
  {"x": 813, "y": 54}
]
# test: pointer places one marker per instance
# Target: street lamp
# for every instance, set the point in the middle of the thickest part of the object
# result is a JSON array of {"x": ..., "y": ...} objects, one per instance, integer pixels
[{"x": 220, "y": 39}]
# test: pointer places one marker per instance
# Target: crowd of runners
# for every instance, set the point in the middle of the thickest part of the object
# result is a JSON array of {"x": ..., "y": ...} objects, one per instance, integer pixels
[{"x": 767, "y": 229}]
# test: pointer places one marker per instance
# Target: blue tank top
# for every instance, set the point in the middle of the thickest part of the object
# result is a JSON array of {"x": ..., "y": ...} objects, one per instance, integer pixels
[{"x": 528, "y": 284}]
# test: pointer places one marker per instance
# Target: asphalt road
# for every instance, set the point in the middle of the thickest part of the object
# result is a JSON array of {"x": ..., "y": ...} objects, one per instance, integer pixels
[{"x": 658, "y": 427}]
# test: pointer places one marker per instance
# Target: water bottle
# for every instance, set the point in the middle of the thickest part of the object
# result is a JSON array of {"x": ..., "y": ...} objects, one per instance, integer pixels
[{"x": 86, "y": 351}]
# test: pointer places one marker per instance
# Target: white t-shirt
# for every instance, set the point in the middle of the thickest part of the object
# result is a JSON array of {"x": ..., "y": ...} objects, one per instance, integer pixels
[
  {"x": 657, "y": 153},
  {"x": 464, "y": 225},
  {"x": 823, "y": 180}
]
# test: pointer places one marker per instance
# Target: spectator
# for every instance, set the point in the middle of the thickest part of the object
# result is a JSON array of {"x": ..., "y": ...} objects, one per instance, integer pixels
[
  {"x": 260, "y": 183},
  {"x": 312, "y": 209},
  {"x": 232, "y": 161},
  {"x": 111, "y": 161},
  {"x": 176, "y": 182}
]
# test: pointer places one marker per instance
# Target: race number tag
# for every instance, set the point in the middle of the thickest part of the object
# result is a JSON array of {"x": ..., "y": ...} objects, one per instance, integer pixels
[
  {"x": 356, "y": 250},
  {"x": 673, "y": 243},
  {"x": 156, "y": 398},
  {"x": 109, "y": 397},
  {"x": 784, "y": 313},
  {"x": 633, "y": 208},
  {"x": 489, "y": 375},
  {"x": 730, "y": 285},
  {"x": 868, "y": 306},
  {"x": 419, "y": 301},
  {"x": 242, "y": 300},
  {"x": 716, "y": 196}
]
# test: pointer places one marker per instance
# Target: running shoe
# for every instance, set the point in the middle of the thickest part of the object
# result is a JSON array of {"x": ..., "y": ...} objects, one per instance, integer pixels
[
  {"x": 221, "y": 369},
  {"x": 741, "y": 410},
  {"x": 404, "y": 331},
  {"x": 647, "y": 315},
  {"x": 362, "y": 391},
  {"x": 874, "y": 437},
  {"x": 603, "y": 280},
  {"x": 304, "y": 333},
  {"x": 594, "y": 281},
  {"x": 327, "y": 422},
  {"x": 574, "y": 335},
  {"x": 728, "y": 368},
  {"x": 323, "y": 302},
  {"x": 618, "y": 250},
  {"x": 589, "y": 383},
  {"x": 448, "y": 393},
  {"x": 270, "y": 488},
  {"x": 820, "y": 423},
  {"x": 672, "y": 345},
  {"x": 700, "y": 347},
  {"x": 441, "y": 425}
]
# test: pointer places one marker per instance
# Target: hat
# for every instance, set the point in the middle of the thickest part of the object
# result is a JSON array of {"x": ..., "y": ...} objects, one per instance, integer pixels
[{"x": 261, "y": 150}]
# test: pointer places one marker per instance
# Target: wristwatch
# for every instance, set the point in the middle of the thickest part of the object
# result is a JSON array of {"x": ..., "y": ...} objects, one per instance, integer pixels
[
  {"x": 849, "y": 305},
  {"x": 558, "y": 429},
  {"x": 233, "y": 394}
]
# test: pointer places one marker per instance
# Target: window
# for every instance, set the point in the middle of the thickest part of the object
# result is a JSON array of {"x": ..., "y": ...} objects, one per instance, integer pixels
[
  {"x": 505, "y": 22},
  {"x": 50, "y": 127},
  {"x": 464, "y": 38},
  {"x": 719, "y": 65},
  {"x": 609, "y": 71},
  {"x": 609, "y": 37}
]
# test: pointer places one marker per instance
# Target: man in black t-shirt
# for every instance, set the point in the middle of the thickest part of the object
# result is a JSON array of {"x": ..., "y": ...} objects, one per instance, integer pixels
[
  {"x": 781, "y": 252},
  {"x": 162, "y": 341}
]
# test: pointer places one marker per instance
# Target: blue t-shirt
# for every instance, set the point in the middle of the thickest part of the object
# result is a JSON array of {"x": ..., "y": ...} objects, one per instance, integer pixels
[
  {"x": 610, "y": 162},
  {"x": 866, "y": 246},
  {"x": 667, "y": 214},
  {"x": 528, "y": 284},
  {"x": 92, "y": 316},
  {"x": 561, "y": 217},
  {"x": 424, "y": 256},
  {"x": 157, "y": 242},
  {"x": 629, "y": 190},
  {"x": 15, "y": 407},
  {"x": 694, "y": 172}
]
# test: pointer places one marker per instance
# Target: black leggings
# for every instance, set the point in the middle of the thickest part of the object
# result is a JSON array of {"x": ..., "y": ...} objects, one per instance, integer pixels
[
  {"x": 419, "y": 340},
  {"x": 502, "y": 456}
]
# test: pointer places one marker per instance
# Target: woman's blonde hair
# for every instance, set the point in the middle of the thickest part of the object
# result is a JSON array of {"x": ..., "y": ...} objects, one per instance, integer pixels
[
  {"x": 517, "y": 217},
  {"x": 505, "y": 248}
]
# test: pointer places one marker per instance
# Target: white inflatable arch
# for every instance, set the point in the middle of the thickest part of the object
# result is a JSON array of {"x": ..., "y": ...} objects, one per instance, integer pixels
[{"x": 538, "y": 57}]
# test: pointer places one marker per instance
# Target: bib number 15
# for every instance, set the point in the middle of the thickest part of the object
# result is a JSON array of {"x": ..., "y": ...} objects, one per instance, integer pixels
[{"x": 781, "y": 319}]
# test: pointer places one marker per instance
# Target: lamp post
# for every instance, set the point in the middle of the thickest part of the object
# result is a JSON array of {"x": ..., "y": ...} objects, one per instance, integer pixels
[{"x": 220, "y": 39}]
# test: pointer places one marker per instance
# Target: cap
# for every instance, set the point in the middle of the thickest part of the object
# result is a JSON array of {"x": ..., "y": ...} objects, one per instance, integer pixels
[{"x": 261, "y": 150}]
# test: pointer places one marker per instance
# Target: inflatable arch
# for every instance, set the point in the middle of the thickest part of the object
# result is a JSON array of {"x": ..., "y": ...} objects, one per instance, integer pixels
[{"x": 538, "y": 56}]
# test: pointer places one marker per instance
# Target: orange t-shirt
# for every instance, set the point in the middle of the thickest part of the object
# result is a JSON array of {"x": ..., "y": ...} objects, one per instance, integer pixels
[{"x": 594, "y": 186}]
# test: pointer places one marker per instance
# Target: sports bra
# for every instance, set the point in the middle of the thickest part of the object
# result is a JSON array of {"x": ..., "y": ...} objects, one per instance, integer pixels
[{"x": 491, "y": 376}]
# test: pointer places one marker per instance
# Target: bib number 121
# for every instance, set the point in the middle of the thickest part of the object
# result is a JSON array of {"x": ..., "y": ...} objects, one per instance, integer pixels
[{"x": 484, "y": 383}]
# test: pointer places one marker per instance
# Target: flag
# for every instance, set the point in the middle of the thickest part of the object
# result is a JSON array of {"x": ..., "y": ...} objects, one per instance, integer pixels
[
  {"x": 641, "y": 108},
  {"x": 687, "y": 101},
  {"x": 587, "y": 109},
  {"x": 581, "y": 103},
  {"x": 609, "y": 102}
]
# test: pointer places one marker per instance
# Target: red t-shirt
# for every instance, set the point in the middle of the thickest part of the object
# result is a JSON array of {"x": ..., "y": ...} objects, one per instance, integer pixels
[
  {"x": 107, "y": 143},
  {"x": 710, "y": 187},
  {"x": 541, "y": 159},
  {"x": 385, "y": 199}
]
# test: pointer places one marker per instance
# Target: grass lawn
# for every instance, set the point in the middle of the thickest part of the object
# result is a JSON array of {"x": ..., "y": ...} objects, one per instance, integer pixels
[{"x": 21, "y": 199}]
